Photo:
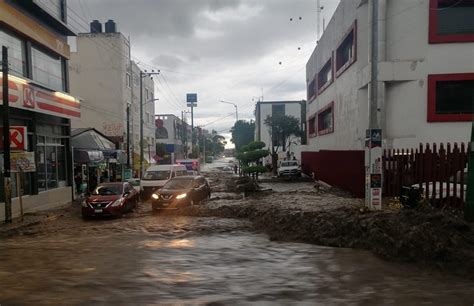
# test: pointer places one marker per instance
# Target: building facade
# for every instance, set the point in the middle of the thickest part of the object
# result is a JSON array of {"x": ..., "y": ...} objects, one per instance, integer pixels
[
  {"x": 35, "y": 34},
  {"x": 425, "y": 74},
  {"x": 174, "y": 133},
  {"x": 108, "y": 83},
  {"x": 296, "y": 109}
]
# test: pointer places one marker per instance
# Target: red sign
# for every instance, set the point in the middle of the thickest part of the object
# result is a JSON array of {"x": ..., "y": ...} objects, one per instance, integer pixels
[
  {"x": 28, "y": 97},
  {"x": 18, "y": 138}
]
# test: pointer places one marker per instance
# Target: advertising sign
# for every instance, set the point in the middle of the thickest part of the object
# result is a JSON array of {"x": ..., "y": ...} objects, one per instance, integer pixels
[
  {"x": 20, "y": 162},
  {"x": 18, "y": 138},
  {"x": 373, "y": 169},
  {"x": 191, "y": 99}
]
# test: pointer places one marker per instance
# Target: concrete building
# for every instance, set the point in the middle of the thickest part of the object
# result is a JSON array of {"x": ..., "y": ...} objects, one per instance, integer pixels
[
  {"x": 100, "y": 73},
  {"x": 40, "y": 105},
  {"x": 170, "y": 130},
  {"x": 296, "y": 109},
  {"x": 425, "y": 73}
]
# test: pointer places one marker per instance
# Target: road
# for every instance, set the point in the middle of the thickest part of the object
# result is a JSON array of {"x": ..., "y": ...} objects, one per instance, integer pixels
[{"x": 146, "y": 258}]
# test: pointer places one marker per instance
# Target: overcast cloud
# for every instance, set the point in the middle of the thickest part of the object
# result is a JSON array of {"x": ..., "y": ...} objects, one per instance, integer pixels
[{"x": 221, "y": 49}]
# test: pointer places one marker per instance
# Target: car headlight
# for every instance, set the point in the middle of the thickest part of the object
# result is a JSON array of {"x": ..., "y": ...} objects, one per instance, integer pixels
[
  {"x": 116, "y": 203},
  {"x": 155, "y": 196},
  {"x": 84, "y": 204},
  {"x": 181, "y": 196}
]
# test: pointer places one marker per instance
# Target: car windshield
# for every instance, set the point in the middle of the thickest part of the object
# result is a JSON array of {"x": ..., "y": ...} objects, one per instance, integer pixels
[
  {"x": 108, "y": 190},
  {"x": 289, "y": 164},
  {"x": 179, "y": 184},
  {"x": 157, "y": 175},
  {"x": 134, "y": 182}
]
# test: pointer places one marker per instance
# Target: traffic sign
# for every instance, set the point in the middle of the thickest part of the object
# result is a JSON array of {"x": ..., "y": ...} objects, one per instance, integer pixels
[{"x": 18, "y": 138}]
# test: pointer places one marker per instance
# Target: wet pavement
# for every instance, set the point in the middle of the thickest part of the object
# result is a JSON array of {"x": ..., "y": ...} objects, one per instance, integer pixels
[{"x": 147, "y": 258}]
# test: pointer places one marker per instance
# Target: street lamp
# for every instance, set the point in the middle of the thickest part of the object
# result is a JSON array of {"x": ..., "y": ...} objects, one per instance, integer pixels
[
  {"x": 236, "y": 110},
  {"x": 142, "y": 75}
]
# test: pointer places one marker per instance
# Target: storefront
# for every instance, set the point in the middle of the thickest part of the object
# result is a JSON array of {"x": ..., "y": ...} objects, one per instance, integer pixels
[{"x": 46, "y": 117}]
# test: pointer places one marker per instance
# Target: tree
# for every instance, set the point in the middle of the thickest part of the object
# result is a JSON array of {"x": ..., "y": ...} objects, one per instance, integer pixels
[
  {"x": 281, "y": 129},
  {"x": 243, "y": 132},
  {"x": 249, "y": 157}
]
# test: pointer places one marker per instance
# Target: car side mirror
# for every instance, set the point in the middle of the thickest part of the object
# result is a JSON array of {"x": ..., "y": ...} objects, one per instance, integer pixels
[{"x": 126, "y": 194}]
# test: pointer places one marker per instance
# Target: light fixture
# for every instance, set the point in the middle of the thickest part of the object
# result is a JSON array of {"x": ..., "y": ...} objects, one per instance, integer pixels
[
  {"x": 17, "y": 79},
  {"x": 65, "y": 96}
]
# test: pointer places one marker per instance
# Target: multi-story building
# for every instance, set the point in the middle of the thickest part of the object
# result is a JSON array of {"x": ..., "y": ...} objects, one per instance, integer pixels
[
  {"x": 108, "y": 82},
  {"x": 35, "y": 34},
  {"x": 425, "y": 81},
  {"x": 295, "y": 109},
  {"x": 174, "y": 133}
]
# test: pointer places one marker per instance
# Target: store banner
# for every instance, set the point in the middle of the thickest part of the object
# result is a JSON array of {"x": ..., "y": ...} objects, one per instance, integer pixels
[{"x": 20, "y": 162}]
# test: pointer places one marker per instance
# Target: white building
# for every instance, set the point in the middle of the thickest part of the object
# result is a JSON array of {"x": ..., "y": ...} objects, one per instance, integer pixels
[
  {"x": 264, "y": 109},
  {"x": 174, "y": 133},
  {"x": 426, "y": 74},
  {"x": 100, "y": 75}
]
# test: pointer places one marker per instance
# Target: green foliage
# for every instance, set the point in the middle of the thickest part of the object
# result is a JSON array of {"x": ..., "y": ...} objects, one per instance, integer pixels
[
  {"x": 281, "y": 128},
  {"x": 243, "y": 133},
  {"x": 254, "y": 169},
  {"x": 249, "y": 156}
]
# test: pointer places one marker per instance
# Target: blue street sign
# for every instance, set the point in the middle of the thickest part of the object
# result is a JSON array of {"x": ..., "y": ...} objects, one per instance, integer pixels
[{"x": 191, "y": 98}]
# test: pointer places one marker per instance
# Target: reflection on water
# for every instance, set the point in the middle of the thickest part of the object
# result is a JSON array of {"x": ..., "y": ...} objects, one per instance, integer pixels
[{"x": 153, "y": 265}]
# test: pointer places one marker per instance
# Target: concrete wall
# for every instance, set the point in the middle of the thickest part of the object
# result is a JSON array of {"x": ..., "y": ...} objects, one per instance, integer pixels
[
  {"x": 292, "y": 108},
  {"x": 45, "y": 200},
  {"x": 409, "y": 61}
]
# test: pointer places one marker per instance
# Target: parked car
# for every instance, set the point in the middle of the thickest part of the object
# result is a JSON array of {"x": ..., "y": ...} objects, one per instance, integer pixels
[
  {"x": 157, "y": 176},
  {"x": 180, "y": 192},
  {"x": 110, "y": 199},
  {"x": 289, "y": 168},
  {"x": 135, "y": 182}
]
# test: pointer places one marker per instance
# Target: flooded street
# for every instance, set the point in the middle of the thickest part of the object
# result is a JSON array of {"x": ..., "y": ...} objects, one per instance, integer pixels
[{"x": 147, "y": 258}]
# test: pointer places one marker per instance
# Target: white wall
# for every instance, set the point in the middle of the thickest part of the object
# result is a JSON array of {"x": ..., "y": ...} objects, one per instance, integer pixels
[{"x": 409, "y": 61}]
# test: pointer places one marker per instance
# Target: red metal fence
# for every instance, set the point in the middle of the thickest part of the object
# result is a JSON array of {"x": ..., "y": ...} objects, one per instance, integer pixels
[{"x": 439, "y": 171}]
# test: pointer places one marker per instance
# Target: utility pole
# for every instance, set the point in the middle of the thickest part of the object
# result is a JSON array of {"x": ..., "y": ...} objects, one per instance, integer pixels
[
  {"x": 131, "y": 101},
  {"x": 142, "y": 75},
  {"x": 192, "y": 128},
  {"x": 6, "y": 138}
]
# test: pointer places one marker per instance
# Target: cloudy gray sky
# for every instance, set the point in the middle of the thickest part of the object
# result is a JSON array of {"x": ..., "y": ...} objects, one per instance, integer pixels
[{"x": 231, "y": 50}]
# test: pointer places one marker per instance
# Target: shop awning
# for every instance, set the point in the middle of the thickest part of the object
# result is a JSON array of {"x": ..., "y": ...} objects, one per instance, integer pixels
[
  {"x": 83, "y": 156},
  {"x": 90, "y": 139},
  {"x": 119, "y": 155}
]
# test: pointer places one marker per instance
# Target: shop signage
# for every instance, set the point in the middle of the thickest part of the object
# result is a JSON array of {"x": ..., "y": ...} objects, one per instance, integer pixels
[
  {"x": 20, "y": 162},
  {"x": 25, "y": 95},
  {"x": 373, "y": 169},
  {"x": 18, "y": 138}
]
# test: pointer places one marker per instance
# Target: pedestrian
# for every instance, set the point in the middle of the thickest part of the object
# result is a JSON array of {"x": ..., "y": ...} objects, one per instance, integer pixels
[
  {"x": 78, "y": 182},
  {"x": 235, "y": 168}
]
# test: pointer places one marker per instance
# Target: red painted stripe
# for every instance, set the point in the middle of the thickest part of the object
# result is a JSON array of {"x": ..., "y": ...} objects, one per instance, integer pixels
[
  {"x": 57, "y": 99},
  {"x": 59, "y": 110}
]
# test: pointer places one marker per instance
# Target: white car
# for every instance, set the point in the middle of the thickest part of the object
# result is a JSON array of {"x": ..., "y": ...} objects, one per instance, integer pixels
[{"x": 289, "y": 168}]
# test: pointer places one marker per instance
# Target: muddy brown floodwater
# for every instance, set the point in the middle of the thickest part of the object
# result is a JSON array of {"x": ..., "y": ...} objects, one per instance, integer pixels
[{"x": 147, "y": 258}]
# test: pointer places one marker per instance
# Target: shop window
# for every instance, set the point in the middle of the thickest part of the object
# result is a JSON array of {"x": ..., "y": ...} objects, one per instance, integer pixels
[
  {"x": 451, "y": 21},
  {"x": 16, "y": 52},
  {"x": 312, "y": 127},
  {"x": 326, "y": 120},
  {"x": 346, "y": 52},
  {"x": 47, "y": 69},
  {"x": 51, "y": 163},
  {"x": 325, "y": 76},
  {"x": 450, "y": 97}
]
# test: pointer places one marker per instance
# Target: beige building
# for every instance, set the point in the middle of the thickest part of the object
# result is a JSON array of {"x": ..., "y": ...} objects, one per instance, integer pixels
[{"x": 100, "y": 76}]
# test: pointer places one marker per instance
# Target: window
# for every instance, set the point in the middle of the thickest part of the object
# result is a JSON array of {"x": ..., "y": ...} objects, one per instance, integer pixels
[
  {"x": 325, "y": 76},
  {"x": 311, "y": 89},
  {"x": 51, "y": 163},
  {"x": 326, "y": 120},
  {"x": 451, "y": 21},
  {"x": 54, "y": 7},
  {"x": 16, "y": 52},
  {"x": 146, "y": 94},
  {"x": 47, "y": 69},
  {"x": 346, "y": 52},
  {"x": 312, "y": 126},
  {"x": 278, "y": 110},
  {"x": 128, "y": 80},
  {"x": 450, "y": 97}
]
